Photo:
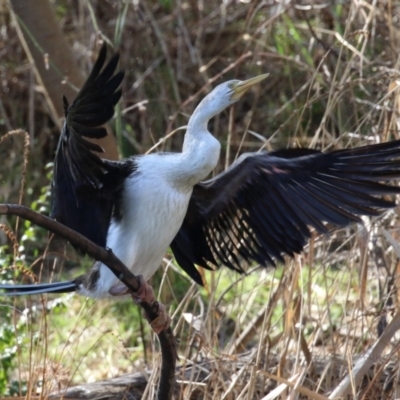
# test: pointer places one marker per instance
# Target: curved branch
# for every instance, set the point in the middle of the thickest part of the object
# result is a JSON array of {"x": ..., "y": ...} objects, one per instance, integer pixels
[{"x": 107, "y": 257}]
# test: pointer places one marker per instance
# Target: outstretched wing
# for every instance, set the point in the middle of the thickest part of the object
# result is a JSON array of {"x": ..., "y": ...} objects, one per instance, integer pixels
[
  {"x": 84, "y": 186},
  {"x": 263, "y": 206}
]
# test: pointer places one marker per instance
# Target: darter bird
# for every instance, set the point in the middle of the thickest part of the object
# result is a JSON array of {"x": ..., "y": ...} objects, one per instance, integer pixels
[{"x": 259, "y": 209}]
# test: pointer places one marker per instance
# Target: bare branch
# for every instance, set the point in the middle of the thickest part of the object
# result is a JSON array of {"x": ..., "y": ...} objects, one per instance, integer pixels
[{"x": 107, "y": 257}]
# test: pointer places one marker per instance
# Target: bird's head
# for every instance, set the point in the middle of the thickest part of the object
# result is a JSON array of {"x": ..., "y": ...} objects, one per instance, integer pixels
[
  {"x": 226, "y": 94},
  {"x": 236, "y": 89}
]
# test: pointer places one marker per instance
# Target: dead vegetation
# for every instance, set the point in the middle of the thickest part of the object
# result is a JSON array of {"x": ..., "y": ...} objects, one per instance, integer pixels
[{"x": 297, "y": 332}]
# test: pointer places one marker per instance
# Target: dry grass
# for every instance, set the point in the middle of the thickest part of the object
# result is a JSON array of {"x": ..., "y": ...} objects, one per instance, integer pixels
[{"x": 334, "y": 83}]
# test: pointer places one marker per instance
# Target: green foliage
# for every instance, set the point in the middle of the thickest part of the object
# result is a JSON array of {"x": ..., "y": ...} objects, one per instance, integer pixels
[
  {"x": 13, "y": 329},
  {"x": 10, "y": 337},
  {"x": 10, "y": 332}
]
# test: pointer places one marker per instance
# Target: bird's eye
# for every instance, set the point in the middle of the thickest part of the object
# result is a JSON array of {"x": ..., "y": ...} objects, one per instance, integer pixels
[{"x": 231, "y": 85}]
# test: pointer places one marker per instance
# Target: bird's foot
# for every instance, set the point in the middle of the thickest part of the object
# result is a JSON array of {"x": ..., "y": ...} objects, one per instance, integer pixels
[{"x": 145, "y": 294}]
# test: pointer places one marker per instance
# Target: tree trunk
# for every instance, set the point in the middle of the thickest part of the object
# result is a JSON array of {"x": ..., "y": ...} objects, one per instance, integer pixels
[{"x": 54, "y": 61}]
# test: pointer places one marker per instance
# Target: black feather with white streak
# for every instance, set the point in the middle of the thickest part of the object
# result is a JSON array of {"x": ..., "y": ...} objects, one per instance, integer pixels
[
  {"x": 263, "y": 206},
  {"x": 22, "y": 290}
]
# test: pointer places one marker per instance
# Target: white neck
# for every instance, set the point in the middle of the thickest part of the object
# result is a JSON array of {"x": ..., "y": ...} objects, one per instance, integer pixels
[
  {"x": 208, "y": 108},
  {"x": 200, "y": 155},
  {"x": 200, "y": 151}
]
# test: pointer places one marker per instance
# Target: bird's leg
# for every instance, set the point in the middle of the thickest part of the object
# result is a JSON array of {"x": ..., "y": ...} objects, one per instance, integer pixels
[{"x": 145, "y": 294}]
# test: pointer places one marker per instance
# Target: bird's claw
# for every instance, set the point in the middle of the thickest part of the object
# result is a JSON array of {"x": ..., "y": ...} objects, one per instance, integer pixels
[
  {"x": 109, "y": 250},
  {"x": 145, "y": 294}
]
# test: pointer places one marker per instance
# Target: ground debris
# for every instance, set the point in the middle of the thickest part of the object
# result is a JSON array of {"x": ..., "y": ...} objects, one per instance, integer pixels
[{"x": 227, "y": 377}]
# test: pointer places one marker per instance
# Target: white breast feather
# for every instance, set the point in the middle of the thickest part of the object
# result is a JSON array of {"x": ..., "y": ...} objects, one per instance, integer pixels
[{"x": 153, "y": 211}]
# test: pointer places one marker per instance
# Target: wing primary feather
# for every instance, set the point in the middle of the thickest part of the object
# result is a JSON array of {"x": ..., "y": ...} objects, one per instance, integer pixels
[
  {"x": 219, "y": 247},
  {"x": 284, "y": 220},
  {"x": 362, "y": 187},
  {"x": 348, "y": 206},
  {"x": 186, "y": 264},
  {"x": 220, "y": 250},
  {"x": 269, "y": 236},
  {"x": 234, "y": 238},
  {"x": 236, "y": 222},
  {"x": 305, "y": 211},
  {"x": 227, "y": 241},
  {"x": 296, "y": 215},
  {"x": 351, "y": 195},
  {"x": 325, "y": 211},
  {"x": 243, "y": 236}
]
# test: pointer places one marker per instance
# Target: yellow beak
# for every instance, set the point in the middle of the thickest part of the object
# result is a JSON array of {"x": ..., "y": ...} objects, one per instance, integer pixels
[{"x": 242, "y": 87}]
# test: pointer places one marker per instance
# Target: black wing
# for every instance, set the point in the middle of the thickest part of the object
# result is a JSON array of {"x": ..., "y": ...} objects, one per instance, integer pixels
[
  {"x": 84, "y": 186},
  {"x": 263, "y": 205}
]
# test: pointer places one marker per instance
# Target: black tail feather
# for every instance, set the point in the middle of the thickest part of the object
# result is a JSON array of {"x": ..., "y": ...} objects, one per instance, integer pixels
[{"x": 21, "y": 290}]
